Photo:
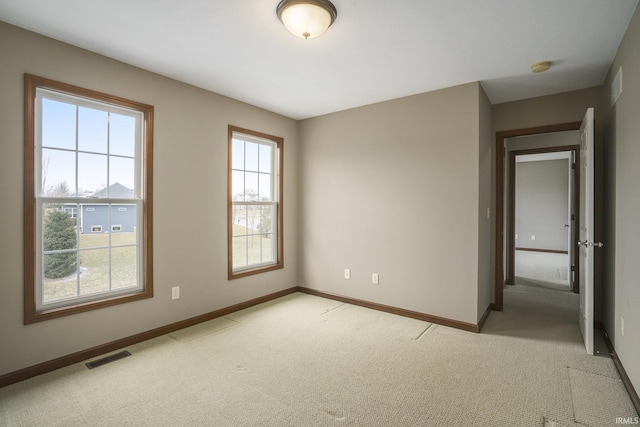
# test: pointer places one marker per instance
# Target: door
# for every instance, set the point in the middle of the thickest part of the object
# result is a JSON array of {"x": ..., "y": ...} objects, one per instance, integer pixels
[
  {"x": 585, "y": 242},
  {"x": 572, "y": 236}
]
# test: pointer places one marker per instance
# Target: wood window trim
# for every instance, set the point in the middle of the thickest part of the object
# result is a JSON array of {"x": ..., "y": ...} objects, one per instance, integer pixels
[
  {"x": 279, "y": 264},
  {"x": 31, "y": 314}
]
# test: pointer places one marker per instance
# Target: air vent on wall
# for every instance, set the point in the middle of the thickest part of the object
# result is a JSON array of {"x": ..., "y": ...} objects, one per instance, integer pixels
[{"x": 108, "y": 359}]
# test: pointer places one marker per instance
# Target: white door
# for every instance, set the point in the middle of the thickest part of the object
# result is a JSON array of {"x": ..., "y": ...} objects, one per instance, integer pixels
[
  {"x": 570, "y": 224},
  {"x": 586, "y": 230}
]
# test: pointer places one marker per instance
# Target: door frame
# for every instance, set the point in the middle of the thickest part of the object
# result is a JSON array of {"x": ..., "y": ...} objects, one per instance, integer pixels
[
  {"x": 499, "y": 255},
  {"x": 575, "y": 206}
]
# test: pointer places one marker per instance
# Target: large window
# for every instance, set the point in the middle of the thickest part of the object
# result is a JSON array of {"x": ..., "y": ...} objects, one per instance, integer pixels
[
  {"x": 255, "y": 202},
  {"x": 87, "y": 155}
]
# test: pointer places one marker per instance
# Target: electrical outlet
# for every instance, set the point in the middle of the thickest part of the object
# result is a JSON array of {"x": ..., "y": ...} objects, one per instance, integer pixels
[
  {"x": 347, "y": 274},
  {"x": 375, "y": 279},
  {"x": 533, "y": 237},
  {"x": 622, "y": 325},
  {"x": 175, "y": 292}
]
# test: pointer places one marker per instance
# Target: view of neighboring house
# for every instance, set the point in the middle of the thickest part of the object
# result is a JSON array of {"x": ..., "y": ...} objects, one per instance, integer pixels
[{"x": 94, "y": 217}]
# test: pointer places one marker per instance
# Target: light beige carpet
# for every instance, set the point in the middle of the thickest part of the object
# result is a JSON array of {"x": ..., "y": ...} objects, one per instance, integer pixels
[
  {"x": 308, "y": 361},
  {"x": 546, "y": 268},
  {"x": 597, "y": 412}
]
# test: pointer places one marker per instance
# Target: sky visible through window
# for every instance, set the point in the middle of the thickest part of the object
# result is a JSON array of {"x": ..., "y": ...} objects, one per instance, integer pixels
[
  {"x": 254, "y": 206},
  {"x": 105, "y": 144},
  {"x": 252, "y": 166}
]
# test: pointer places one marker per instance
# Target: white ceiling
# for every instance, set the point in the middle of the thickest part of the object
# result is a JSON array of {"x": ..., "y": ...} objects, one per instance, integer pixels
[{"x": 376, "y": 50}]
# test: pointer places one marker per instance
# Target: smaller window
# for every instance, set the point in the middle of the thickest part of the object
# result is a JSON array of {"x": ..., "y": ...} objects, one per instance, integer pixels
[
  {"x": 73, "y": 212},
  {"x": 116, "y": 227},
  {"x": 96, "y": 229},
  {"x": 254, "y": 202}
]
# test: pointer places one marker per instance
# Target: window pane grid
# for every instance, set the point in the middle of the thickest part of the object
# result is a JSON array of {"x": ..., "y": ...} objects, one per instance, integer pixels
[
  {"x": 94, "y": 265},
  {"x": 81, "y": 169},
  {"x": 253, "y": 199},
  {"x": 127, "y": 125}
]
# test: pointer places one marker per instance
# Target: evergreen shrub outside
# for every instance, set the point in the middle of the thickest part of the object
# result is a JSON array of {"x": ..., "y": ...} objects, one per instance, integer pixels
[{"x": 59, "y": 234}]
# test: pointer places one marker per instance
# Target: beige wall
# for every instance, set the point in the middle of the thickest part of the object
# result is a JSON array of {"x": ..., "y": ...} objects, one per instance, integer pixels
[
  {"x": 392, "y": 188},
  {"x": 547, "y": 110},
  {"x": 622, "y": 227},
  {"x": 543, "y": 140},
  {"x": 542, "y": 204},
  {"x": 189, "y": 195},
  {"x": 486, "y": 222}
]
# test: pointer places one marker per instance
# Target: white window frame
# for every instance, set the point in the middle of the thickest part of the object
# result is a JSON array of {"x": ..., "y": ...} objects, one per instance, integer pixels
[
  {"x": 73, "y": 212},
  {"x": 42, "y": 199}
]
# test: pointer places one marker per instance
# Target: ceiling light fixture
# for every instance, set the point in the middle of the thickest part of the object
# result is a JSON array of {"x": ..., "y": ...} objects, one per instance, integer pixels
[
  {"x": 541, "y": 67},
  {"x": 306, "y": 18}
]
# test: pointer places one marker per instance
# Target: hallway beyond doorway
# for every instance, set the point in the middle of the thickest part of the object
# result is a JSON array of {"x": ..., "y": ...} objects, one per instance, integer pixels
[{"x": 542, "y": 269}]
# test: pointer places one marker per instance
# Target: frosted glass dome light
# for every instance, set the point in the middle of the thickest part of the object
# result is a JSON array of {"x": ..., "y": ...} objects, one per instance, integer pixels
[{"x": 306, "y": 18}]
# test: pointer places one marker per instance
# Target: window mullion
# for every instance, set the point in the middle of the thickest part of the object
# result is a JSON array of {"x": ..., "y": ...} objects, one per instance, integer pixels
[
  {"x": 274, "y": 192},
  {"x": 246, "y": 230},
  {"x": 75, "y": 191},
  {"x": 77, "y": 155},
  {"x": 261, "y": 233},
  {"x": 39, "y": 242},
  {"x": 109, "y": 234}
]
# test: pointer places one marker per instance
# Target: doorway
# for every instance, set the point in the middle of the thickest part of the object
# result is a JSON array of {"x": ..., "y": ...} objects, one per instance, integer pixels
[
  {"x": 543, "y": 201},
  {"x": 501, "y": 208}
]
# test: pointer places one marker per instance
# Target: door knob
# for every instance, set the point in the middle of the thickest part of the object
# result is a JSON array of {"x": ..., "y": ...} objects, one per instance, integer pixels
[{"x": 588, "y": 243}]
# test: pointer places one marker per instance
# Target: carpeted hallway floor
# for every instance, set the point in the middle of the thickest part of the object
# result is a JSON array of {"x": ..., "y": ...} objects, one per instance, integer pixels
[
  {"x": 550, "y": 270},
  {"x": 308, "y": 361}
]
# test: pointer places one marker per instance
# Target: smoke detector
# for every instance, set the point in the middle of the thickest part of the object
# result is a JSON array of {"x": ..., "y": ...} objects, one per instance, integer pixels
[{"x": 541, "y": 67}]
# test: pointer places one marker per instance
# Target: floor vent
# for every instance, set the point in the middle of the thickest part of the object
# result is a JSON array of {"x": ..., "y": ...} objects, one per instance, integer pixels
[{"x": 108, "y": 359}]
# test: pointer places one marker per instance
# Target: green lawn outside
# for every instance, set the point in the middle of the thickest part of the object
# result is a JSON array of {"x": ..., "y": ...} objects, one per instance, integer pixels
[
  {"x": 251, "y": 248},
  {"x": 94, "y": 267},
  {"x": 94, "y": 262}
]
